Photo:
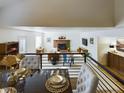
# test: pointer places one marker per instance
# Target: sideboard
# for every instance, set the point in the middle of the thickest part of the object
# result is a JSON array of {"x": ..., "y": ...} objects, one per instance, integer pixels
[{"x": 116, "y": 61}]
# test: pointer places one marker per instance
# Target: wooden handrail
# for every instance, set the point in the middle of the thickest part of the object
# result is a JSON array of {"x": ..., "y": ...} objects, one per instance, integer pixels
[
  {"x": 107, "y": 70},
  {"x": 60, "y": 53}
]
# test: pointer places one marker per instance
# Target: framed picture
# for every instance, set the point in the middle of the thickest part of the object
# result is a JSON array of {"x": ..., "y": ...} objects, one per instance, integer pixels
[
  {"x": 91, "y": 40},
  {"x": 84, "y": 41},
  {"x": 48, "y": 39}
]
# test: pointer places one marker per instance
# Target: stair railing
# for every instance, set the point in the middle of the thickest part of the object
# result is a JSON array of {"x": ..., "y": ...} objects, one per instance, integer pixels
[{"x": 108, "y": 81}]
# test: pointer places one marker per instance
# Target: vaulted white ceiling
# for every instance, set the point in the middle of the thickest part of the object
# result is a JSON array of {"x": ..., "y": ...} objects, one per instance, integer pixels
[{"x": 60, "y": 13}]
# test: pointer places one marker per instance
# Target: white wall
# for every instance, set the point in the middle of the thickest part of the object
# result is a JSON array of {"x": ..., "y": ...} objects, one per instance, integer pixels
[
  {"x": 92, "y": 48},
  {"x": 98, "y": 50},
  {"x": 7, "y": 35},
  {"x": 103, "y": 48},
  {"x": 74, "y": 38},
  {"x": 103, "y": 37}
]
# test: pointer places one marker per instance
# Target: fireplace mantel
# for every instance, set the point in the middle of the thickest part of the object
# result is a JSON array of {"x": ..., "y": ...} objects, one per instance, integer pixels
[{"x": 62, "y": 41}]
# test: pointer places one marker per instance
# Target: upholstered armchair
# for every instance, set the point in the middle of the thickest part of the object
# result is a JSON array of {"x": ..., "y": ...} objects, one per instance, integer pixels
[
  {"x": 87, "y": 80},
  {"x": 10, "y": 61},
  {"x": 30, "y": 61}
]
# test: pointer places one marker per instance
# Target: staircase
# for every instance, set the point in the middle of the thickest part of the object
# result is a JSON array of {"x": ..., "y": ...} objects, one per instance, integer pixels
[{"x": 73, "y": 70}]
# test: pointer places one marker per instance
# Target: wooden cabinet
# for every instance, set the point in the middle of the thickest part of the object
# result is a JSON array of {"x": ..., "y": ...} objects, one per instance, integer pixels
[
  {"x": 116, "y": 61},
  {"x": 8, "y": 48},
  {"x": 110, "y": 59},
  {"x": 113, "y": 61},
  {"x": 121, "y": 63}
]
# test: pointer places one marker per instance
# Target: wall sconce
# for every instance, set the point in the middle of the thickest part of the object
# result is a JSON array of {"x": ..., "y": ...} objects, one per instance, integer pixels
[{"x": 111, "y": 46}]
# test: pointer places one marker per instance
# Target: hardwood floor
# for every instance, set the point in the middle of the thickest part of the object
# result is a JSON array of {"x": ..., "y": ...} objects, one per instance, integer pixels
[{"x": 119, "y": 74}]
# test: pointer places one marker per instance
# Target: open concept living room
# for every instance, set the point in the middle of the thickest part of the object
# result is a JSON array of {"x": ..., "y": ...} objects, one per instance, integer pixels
[{"x": 62, "y": 46}]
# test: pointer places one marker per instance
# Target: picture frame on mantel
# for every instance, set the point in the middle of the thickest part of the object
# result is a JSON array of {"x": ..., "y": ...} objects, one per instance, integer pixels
[{"x": 91, "y": 40}]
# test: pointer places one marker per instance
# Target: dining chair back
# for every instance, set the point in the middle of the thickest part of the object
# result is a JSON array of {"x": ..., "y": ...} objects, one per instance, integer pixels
[
  {"x": 30, "y": 61},
  {"x": 87, "y": 80}
]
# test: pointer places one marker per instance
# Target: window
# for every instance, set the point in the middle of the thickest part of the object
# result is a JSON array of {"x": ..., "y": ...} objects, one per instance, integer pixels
[
  {"x": 22, "y": 44},
  {"x": 38, "y": 41}
]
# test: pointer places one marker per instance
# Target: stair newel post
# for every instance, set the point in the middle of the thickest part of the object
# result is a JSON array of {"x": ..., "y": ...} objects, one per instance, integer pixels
[
  {"x": 41, "y": 60},
  {"x": 85, "y": 57}
]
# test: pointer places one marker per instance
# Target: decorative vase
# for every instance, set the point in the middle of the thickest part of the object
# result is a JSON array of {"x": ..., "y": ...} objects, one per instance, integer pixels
[
  {"x": 53, "y": 62},
  {"x": 79, "y": 50}
]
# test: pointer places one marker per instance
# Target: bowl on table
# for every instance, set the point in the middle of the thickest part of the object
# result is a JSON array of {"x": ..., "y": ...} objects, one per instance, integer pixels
[{"x": 56, "y": 79}]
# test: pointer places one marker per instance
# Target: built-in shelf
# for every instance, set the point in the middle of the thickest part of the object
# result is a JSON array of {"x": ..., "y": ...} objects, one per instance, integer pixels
[
  {"x": 8, "y": 48},
  {"x": 116, "y": 61}
]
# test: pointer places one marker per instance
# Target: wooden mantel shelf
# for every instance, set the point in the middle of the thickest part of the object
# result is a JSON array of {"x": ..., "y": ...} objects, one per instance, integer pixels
[{"x": 60, "y": 41}]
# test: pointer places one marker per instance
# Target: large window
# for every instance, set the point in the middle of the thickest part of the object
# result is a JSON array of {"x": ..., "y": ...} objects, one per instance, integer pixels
[
  {"x": 38, "y": 41},
  {"x": 22, "y": 44}
]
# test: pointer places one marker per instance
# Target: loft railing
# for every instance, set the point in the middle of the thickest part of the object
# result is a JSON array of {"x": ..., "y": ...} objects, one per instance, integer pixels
[
  {"x": 41, "y": 54},
  {"x": 108, "y": 81}
]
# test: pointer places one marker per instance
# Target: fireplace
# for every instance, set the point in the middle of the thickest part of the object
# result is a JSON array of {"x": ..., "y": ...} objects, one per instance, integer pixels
[{"x": 62, "y": 47}]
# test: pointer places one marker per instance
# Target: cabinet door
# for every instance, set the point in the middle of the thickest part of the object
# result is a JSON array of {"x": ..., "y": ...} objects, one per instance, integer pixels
[
  {"x": 121, "y": 64},
  {"x": 115, "y": 61},
  {"x": 110, "y": 59}
]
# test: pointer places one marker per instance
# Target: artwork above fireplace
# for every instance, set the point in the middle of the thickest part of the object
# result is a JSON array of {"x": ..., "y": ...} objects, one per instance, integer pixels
[{"x": 62, "y": 45}]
